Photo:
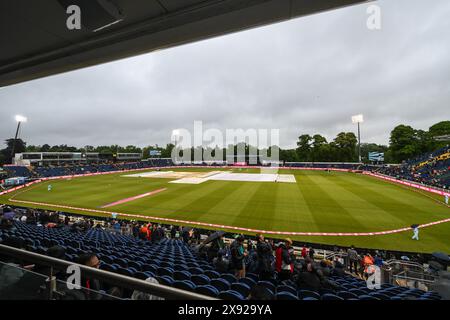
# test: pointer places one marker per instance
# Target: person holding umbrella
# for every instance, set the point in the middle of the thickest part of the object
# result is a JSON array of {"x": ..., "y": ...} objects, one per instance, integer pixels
[
  {"x": 217, "y": 244},
  {"x": 415, "y": 228}
]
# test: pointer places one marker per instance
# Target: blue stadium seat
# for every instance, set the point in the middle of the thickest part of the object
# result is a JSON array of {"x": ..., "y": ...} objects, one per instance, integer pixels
[
  {"x": 230, "y": 295},
  {"x": 207, "y": 290},
  {"x": 125, "y": 272},
  {"x": 284, "y": 295},
  {"x": 136, "y": 265},
  {"x": 379, "y": 295},
  {"x": 367, "y": 297},
  {"x": 307, "y": 293},
  {"x": 358, "y": 292},
  {"x": 242, "y": 288},
  {"x": 347, "y": 295},
  {"x": 310, "y": 299},
  {"x": 165, "y": 280},
  {"x": 184, "y": 285},
  {"x": 200, "y": 279},
  {"x": 229, "y": 277},
  {"x": 212, "y": 274},
  {"x": 195, "y": 270},
  {"x": 248, "y": 281},
  {"x": 181, "y": 275},
  {"x": 179, "y": 267},
  {"x": 253, "y": 276},
  {"x": 220, "y": 284},
  {"x": 268, "y": 285},
  {"x": 329, "y": 296},
  {"x": 164, "y": 272},
  {"x": 108, "y": 267},
  {"x": 287, "y": 288},
  {"x": 149, "y": 267}
]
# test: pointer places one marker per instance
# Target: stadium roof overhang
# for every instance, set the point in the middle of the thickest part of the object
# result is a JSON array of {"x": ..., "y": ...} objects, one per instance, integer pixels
[{"x": 35, "y": 41}]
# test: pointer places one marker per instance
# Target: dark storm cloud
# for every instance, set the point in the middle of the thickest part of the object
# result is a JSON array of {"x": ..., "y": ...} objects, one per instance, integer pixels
[{"x": 308, "y": 75}]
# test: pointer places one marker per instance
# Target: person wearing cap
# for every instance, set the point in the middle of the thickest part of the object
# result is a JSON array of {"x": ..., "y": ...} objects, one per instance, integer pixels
[{"x": 284, "y": 260}]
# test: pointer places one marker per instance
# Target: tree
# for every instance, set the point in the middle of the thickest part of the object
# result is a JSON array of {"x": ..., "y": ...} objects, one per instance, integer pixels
[
  {"x": 403, "y": 143},
  {"x": 318, "y": 148},
  {"x": 20, "y": 146},
  {"x": 45, "y": 148},
  {"x": 304, "y": 147},
  {"x": 440, "y": 129},
  {"x": 346, "y": 143}
]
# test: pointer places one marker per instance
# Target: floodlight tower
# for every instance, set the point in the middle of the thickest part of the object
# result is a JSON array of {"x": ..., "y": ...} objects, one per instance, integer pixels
[
  {"x": 19, "y": 119},
  {"x": 359, "y": 118}
]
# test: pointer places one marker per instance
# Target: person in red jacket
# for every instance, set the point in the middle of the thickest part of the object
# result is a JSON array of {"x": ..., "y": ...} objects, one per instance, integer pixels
[
  {"x": 304, "y": 252},
  {"x": 284, "y": 262}
]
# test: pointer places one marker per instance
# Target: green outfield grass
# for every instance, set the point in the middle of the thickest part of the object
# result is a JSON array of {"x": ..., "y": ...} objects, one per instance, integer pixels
[{"x": 318, "y": 202}]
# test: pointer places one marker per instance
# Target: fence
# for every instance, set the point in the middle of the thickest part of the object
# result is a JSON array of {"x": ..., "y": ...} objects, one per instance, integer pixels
[{"x": 101, "y": 275}]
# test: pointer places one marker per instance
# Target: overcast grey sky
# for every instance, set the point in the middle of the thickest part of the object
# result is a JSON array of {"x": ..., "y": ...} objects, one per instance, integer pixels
[{"x": 307, "y": 75}]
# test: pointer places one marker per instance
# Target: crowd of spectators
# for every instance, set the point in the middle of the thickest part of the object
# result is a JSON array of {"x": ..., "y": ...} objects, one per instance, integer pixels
[{"x": 268, "y": 258}]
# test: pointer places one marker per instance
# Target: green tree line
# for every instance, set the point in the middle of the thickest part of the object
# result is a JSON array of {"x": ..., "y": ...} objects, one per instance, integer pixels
[{"x": 405, "y": 142}]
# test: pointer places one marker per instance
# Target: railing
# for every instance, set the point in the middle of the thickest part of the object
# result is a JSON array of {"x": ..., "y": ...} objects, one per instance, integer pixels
[
  {"x": 408, "y": 274},
  {"x": 101, "y": 275}
]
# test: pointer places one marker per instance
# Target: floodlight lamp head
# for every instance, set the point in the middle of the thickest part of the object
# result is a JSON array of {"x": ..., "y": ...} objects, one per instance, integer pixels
[
  {"x": 20, "y": 118},
  {"x": 358, "y": 118}
]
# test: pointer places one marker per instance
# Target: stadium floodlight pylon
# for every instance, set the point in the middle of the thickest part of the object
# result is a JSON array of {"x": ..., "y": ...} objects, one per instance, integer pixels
[
  {"x": 359, "y": 118},
  {"x": 19, "y": 119}
]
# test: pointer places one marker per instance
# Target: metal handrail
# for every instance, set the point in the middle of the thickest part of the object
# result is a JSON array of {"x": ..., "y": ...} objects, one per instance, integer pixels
[
  {"x": 102, "y": 275},
  {"x": 405, "y": 263}
]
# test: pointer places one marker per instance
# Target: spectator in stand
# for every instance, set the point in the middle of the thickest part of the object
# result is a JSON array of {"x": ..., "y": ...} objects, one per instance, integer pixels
[
  {"x": 196, "y": 235},
  {"x": 90, "y": 287},
  {"x": 221, "y": 264},
  {"x": 367, "y": 261},
  {"x": 284, "y": 261},
  {"x": 311, "y": 253},
  {"x": 352, "y": 256},
  {"x": 216, "y": 246},
  {"x": 259, "y": 292},
  {"x": 338, "y": 269},
  {"x": 186, "y": 234},
  {"x": 8, "y": 213},
  {"x": 117, "y": 227},
  {"x": 308, "y": 279},
  {"x": 325, "y": 268},
  {"x": 237, "y": 256},
  {"x": 23, "y": 218},
  {"x": 143, "y": 232},
  {"x": 378, "y": 260},
  {"x": 135, "y": 230},
  {"x": 264, "y": 257},
  {"x": 173, "y": 231},
  {"x": 304, "y": 252}
]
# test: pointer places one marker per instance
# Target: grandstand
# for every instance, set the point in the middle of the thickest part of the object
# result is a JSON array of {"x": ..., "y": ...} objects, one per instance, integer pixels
[
  {"x": 174, "y": 262},
  {"x": 116, "y": 226},
  {"x": 430, "y": 169},
  {"x": 175, "y": 259}
]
